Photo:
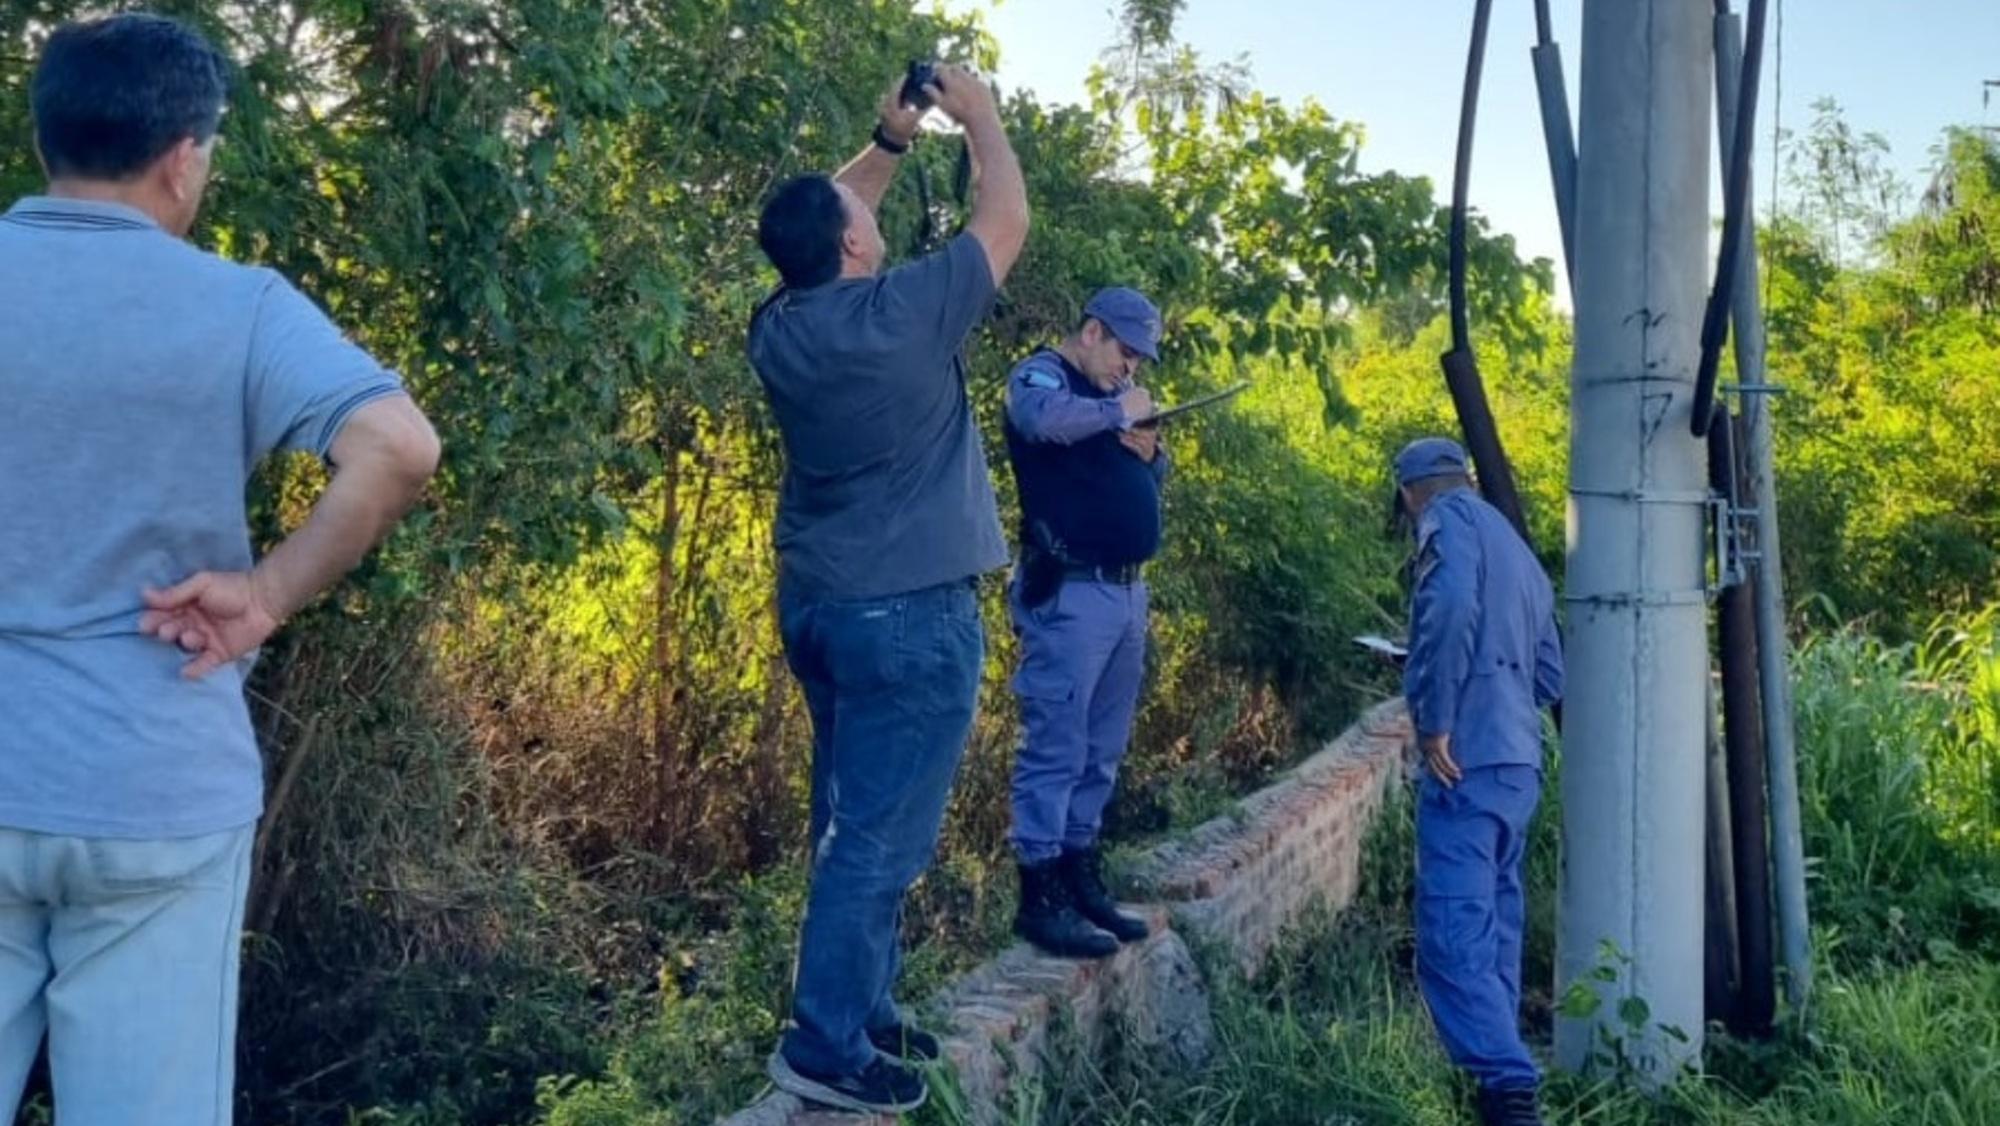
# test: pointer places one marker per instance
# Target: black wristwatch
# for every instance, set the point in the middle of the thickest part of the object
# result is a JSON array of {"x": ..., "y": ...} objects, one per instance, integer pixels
[{"x": 889, "y": 144}]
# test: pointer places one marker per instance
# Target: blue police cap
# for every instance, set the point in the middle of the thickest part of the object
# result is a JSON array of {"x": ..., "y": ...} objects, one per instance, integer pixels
[
  {"x": 1130, "y": 317},
  {"x": 1429, "y": 457}
]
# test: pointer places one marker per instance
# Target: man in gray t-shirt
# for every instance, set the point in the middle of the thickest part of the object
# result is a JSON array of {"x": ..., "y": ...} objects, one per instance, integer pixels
[
  {"x": 886, "y": 487},
  {"x": 143, "y": 381},
  {"x": 886, "y": 517}
]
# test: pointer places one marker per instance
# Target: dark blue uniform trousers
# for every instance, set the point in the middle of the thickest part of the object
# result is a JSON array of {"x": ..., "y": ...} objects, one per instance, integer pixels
[
  {"x": 1083, "y": 655},
  {"x": 1471, "y": 842}
]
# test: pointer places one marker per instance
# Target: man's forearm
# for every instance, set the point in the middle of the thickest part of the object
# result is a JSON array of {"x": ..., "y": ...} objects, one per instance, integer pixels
[
  {"x": 356, "y": 512},
  {"x": 1002, "y": 193},
  {"x": 869, "y": 173},
  {"x": 1046, "y": 415}
]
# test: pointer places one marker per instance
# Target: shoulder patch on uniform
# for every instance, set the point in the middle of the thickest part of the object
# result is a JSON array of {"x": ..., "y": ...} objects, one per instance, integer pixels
[
  {"x": 1427, "y": 526},
  {"x": 1427, "y": 557},
  {"x": 1036, "y": 375}
]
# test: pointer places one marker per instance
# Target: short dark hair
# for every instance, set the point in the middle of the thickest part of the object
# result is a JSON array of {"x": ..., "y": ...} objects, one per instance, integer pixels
[
  {"x": 111, "y": 95},
  {"x": 800, "y": 230}
]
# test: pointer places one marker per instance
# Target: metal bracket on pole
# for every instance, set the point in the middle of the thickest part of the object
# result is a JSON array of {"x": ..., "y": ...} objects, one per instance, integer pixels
[
  {"x": 1646, "y": 496},
  {"x": 1732, "y": 523},
  {"x": 1641, "y": 598}
]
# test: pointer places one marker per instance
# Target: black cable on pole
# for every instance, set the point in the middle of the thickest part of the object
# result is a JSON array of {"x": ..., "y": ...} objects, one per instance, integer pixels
[
  {"x": 1461, "y": 367},
  {"x": 1735, "y": 222},
  {"x": 1545, "y": 27},
  {"x": 1461, "y": 185}
]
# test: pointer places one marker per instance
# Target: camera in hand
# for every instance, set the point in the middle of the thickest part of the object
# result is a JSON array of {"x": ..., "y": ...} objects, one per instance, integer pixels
[{"x": 922, "y": 73}]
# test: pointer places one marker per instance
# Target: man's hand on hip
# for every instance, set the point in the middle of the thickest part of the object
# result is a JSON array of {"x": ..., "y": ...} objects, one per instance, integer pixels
[
  {"x": 219, "y": 616},
  {"x": 1437, "y": 758}
]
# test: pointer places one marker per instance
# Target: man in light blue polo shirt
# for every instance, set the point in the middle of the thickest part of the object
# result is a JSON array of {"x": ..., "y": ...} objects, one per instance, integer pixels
[{"x": 143, "y": 381}]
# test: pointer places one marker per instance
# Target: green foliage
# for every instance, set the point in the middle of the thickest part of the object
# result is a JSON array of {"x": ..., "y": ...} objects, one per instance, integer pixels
[
  {"x": 538, "y": 770},
  {"x": 1883, "y": 329},
  {"x": 699, "y": 1054},
  {"x": 1900, "y": 780}
]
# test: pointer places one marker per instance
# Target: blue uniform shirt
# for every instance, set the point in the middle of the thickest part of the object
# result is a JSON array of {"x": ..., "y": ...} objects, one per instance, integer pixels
[
  {"x": 1484, "y": 651},
  {"x": 1083, "y": 493},
  {"x": 1043, "y": 407}
]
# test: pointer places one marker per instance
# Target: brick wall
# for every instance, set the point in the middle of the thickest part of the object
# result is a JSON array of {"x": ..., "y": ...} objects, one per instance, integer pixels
[
  {"x": 1240, "y": 879},
  {"x": 1235, "y": 882}
]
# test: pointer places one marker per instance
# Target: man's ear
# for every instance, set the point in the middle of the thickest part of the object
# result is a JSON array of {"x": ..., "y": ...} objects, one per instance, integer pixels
[{"x": 174, "y": 171}]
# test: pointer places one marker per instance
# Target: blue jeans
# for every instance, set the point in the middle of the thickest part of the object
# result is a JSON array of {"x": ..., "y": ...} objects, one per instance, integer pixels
[
  {"x": 1083, "y": 656},
  {"x": 1471, "y": 842},
  {"x": 891, "y": 684},
  {"x": 124, "y": 953}
]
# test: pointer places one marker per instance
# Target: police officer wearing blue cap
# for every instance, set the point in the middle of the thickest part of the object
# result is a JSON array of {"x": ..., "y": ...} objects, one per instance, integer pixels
[
  {"x": 1089, "y": 482},
  {"x": 1484, "y": 658}
]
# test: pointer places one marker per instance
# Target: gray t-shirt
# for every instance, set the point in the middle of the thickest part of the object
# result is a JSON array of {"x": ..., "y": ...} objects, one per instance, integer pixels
[
  {"x": 886, "y": 488},
  {"x": 142, "y": 380}
]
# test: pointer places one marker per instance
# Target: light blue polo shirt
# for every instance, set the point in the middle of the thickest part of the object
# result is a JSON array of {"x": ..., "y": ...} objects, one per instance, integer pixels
[{"x": 141, "y": 381}]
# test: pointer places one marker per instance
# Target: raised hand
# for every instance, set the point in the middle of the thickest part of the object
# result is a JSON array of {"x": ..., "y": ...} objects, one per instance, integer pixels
[
  {"x": 1144, "y": 442},
  {"x": 898, "y": 120},
  {"x": 1137, "y": 403},
  {"x": 962, "y": 96}
]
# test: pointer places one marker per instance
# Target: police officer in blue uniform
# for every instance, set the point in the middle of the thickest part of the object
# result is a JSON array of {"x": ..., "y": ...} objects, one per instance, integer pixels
[
  {"x": 1089, "y": 483},
  {"x": 1484, "y": 659}
]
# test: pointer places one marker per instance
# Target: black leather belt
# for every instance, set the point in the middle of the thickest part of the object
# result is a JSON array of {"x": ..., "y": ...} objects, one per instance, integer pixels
[{"x": 1122, "y": 575}]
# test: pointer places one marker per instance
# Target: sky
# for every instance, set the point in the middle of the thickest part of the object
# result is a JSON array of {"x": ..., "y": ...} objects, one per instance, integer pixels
[{"x": 1903, "y": 68}]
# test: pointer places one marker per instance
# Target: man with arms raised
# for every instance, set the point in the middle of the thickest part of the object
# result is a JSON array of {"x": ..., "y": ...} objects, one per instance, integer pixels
[{"x": 886, "y": 519}]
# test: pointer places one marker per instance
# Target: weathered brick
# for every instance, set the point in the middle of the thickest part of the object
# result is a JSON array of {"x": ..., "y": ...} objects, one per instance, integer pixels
[{"x": 1237, "y": 880}]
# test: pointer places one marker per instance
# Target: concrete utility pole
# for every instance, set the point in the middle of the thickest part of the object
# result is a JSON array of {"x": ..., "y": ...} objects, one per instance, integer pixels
[{"x": 1633, "y": 777}]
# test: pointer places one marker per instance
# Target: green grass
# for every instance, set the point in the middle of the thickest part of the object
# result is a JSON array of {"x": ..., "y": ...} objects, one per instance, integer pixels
[
  {"x": 1898, "y": 765},
  {"x": 1334, "y": 1033},
  {"x": 1899, "y": 755}
]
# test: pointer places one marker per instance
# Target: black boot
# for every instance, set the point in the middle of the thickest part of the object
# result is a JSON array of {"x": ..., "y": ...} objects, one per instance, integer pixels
[
  {"x": 1083, "y": 872},
  {"x": 1049, "y": 920},
  {"x": 1514, "y": 1106}
]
